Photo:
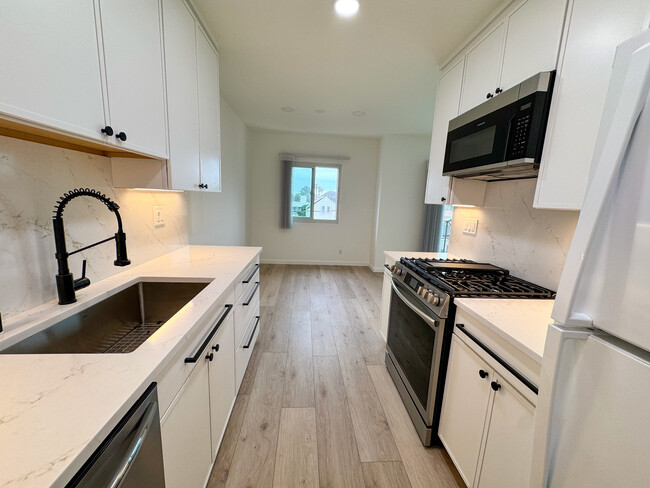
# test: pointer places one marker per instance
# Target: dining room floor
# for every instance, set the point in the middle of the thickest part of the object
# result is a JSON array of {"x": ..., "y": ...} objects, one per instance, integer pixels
[{"x": 317, "y": 407}]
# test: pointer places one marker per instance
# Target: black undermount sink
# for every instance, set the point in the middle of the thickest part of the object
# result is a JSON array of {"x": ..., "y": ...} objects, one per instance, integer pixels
[{"x": 118, "y": 324}]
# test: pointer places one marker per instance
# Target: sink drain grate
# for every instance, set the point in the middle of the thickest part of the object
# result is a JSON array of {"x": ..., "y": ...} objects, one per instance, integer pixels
[{"x": 131, "y": 341}]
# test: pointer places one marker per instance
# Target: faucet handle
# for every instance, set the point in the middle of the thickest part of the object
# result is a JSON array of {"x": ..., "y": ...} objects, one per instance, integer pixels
[{"x": 82, "y": 282}]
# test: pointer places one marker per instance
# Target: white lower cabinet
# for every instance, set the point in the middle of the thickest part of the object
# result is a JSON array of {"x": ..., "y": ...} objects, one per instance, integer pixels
[
  {"x": 464, "y": 408},
  {"x": 508, "y": 448},
  {"x": 185, "y": 433},
  {"x": 486, "y": 423},
  {"x": 221, "y": 372},
  {"x": 386, "y": 291},
  {"x": 193, "y": 426}
]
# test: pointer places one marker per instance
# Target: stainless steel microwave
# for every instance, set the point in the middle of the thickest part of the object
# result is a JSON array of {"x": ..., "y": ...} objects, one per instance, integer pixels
[{"x": 502, "y": 138}]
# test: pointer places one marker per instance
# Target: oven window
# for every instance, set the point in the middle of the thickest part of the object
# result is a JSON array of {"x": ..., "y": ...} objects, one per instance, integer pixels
[
  {"x": 473, "y": 145},
  {"x": 411, "y": 340}
]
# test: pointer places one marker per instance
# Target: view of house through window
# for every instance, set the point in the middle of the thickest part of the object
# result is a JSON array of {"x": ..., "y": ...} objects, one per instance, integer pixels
[{"x": 315, "y": 192}]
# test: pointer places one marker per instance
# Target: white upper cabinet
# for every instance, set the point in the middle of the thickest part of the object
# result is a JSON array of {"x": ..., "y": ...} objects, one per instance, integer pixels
[
  {"x": 532, "y": 41},
  {"x": 482, "y": 69},
  {"x": 209, "y": 113},
  {"x": 132, "y": 40},
  {"x": 447, "y": 102},
  {"x": 182, "y": 95},
  {"x": 593, "y": 30},
  {"x": 50, "y": 65}
]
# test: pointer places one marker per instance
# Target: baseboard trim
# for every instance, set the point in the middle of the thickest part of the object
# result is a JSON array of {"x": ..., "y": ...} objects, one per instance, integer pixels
[{"x": 313, "y": 262}]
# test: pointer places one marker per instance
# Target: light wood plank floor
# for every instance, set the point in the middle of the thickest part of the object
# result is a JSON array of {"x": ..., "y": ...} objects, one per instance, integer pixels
[{"x": 317, "y": 407}]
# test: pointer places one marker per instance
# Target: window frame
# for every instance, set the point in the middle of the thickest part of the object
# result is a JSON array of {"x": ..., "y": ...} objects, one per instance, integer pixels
[{"x": 313, "y": 166}]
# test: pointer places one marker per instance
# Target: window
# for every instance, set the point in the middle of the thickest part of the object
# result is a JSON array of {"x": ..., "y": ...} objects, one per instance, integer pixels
[{"x": 315, "y": 192}]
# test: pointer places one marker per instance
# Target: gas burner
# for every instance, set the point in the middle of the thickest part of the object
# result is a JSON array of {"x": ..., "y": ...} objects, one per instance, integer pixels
[{"x": 465, "y": 278}]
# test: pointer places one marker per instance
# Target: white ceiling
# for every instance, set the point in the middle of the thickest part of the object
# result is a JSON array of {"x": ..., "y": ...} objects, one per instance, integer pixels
[{"x": 299, "y": 54}]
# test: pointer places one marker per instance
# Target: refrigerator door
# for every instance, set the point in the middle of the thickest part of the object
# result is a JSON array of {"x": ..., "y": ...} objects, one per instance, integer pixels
[
  {"x": 592, "y": 424},
  {"x": 606, "y": 279}
]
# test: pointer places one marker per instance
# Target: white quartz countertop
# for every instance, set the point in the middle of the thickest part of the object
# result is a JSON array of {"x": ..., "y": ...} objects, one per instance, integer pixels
[
  {"x": 523, "y": 323},
  {"x": 55, "y": 409}
]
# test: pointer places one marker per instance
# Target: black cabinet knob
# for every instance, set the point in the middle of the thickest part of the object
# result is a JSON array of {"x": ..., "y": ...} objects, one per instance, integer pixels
[
  {"x": 121, "y": 136},
  {"x": 489, "y": 95},
  {"x": 443, "y": 199},
  {"x": 495, "y": 386},
  {"x": 215, "y": 348},
  {"x": 482, "y": 373},
  {"x": 210, "y": 357},
  {"x": 108, "y": 130},
  {"x": 203, "y": 185},
  {"x": 498, "y": 90}
]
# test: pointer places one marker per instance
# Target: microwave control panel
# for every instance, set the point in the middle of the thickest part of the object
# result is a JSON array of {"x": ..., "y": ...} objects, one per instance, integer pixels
[{"x": 519, "y": 131}]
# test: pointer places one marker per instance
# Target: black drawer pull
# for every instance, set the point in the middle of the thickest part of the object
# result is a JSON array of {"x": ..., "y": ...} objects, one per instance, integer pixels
[
  {"x": 248, "y": 280},
  {"x": 250, "y": 298},
  {"x": 214, "y": 330},
  {"x": 495, "y": 385},
  {"x": 482, "y": 373},
  {"x": 248, "y": 344},
  {"x": 210, "y": 357}
]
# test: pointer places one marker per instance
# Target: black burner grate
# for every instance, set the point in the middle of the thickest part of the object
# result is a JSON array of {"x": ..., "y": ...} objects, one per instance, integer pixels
[{"x": 465, "y": 278}]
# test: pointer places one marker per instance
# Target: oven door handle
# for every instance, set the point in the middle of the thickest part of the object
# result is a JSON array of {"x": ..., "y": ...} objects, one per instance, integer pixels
[{"x": 423, "y": 316}]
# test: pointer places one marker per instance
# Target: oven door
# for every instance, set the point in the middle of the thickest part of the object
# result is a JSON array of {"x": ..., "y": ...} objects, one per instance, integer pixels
[{"x": 414, "y": 344}]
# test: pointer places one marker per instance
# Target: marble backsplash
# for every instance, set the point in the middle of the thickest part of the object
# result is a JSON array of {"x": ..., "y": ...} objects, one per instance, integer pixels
[
  {"x": 531, "y": 243},
  {"x": 32, "y": 178}
]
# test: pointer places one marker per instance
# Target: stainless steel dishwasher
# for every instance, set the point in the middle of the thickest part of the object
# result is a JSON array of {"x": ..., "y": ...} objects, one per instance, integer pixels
[{"x": 131, "y": 455}]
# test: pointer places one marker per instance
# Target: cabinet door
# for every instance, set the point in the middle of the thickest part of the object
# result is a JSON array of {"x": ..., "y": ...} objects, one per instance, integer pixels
[
  {"x": 386, "y": 290},
  {"x": 464, "y": 407},
  {"x": 482, "y": 68},
  {"x": 186, "y": 433},
  {"x": 222, "y": 380},
  {"x": 50, "y": 65},
  {"x": 447, "y": 101},
  {"x": 533, "y": 40},
  {"x": 509, "y": 441},
  {"x": 134, "y": 74},
  {"x": 182, "y": 97},
  {"x": 209, "y": 113},
  {"x": 593, "y": 31}
]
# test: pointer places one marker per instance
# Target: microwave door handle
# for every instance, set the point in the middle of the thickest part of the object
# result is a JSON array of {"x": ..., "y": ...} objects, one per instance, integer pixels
[
  {"x": 423, "y": 316},
  {"x": 633, "y": 97}
]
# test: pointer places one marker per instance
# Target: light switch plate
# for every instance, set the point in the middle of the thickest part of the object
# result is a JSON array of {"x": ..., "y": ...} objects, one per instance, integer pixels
[
  {"x": 470, "y": 226},
  {"x": 158, "y": 216}
]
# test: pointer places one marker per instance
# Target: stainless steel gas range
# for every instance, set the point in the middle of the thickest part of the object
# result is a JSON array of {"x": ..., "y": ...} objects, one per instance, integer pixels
[{"x": 421, "y": 323}]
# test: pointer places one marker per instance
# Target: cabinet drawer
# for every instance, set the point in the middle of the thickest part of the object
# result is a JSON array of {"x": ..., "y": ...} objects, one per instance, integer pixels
[
  {"x": 177, "y": 370},
  {"x": 247, "y": 306},
  {"x": 250, "y": 275},
  {"x": 245, "y": 348},
  {"x": 520, "y": 361}
]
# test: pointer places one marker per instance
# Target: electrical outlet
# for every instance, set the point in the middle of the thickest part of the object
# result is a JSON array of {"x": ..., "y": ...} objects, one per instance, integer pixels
[
  {"x": 470, "y": 226},
  {"x": 158, "y": 216}
]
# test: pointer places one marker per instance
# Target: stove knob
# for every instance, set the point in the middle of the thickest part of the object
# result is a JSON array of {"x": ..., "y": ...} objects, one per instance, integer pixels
[
  {"x": 422, "y": 291},
  {"x": 436, "y": 300},
  {"x": 426, "y": 295}
]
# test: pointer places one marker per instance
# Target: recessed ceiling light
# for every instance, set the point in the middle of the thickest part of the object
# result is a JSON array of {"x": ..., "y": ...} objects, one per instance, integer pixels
[
  {"x": 320, "y": 111},
  {"x": 358, "y": 113},
  {"x": 288, "y": 109},
  {"x": 346, "y": 8}
]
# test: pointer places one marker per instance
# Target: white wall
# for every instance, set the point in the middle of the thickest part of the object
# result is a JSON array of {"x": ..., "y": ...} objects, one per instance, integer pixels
[
  {"x": 401, "y": 182},
  {"x": 224, "y": 218},
  {"x": 532, "y": 244},
  {"x": 32, "y": 178},
  {"x": 314, "y": 242}
]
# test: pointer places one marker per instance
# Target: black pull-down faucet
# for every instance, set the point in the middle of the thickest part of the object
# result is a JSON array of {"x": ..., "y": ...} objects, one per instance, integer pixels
[{"x": 65, "y": 283}]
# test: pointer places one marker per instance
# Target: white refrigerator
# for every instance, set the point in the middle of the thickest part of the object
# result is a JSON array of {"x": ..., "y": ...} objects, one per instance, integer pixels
[{"x": 592, "y": 422}]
